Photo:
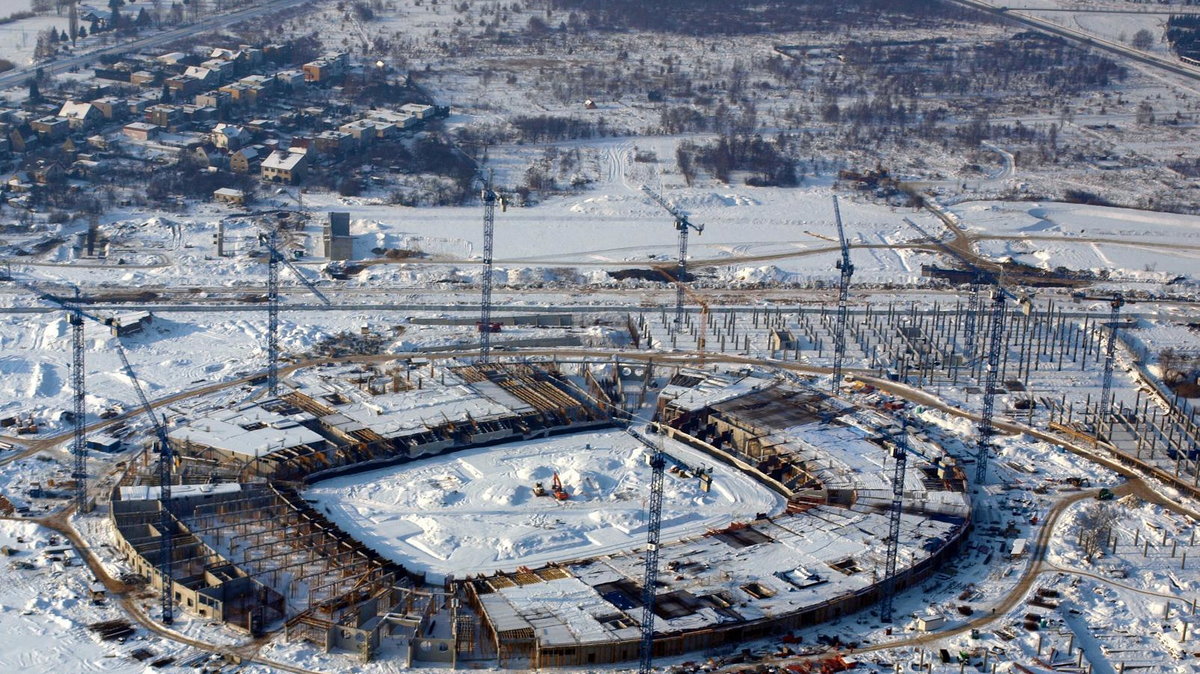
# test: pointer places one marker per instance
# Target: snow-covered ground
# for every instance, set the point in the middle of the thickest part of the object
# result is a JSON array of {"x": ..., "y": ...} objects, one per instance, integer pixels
[{"x": 475, "y": 511}]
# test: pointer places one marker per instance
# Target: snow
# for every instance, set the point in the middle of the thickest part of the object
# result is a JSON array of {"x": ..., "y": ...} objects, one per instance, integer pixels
[{"x": 474, "y": 511}]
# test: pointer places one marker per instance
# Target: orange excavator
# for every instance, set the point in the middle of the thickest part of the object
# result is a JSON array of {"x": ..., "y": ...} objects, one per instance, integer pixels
[{"x": 557, "y": 487}]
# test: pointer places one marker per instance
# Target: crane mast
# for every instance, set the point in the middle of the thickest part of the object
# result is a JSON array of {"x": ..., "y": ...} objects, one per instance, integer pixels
[
  {"x": 650, "y": 573},
  {"x": 75, "y": 316},
  {"x": 847, "y": 270},
  {"x": 485, "y": 327},
  {"x": 658, "y": 462},
  {"x": 682, "y": 225},
  {"x": 78, "y": 393},
  {"x": 273, "y": 314},
  {"x": 900, "y": 454},
  {"x": 986, "y": 429}
]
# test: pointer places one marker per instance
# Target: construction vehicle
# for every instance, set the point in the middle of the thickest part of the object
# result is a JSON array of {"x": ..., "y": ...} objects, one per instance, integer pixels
[
  {"x": 1105, "y": 494},
  {"x": 538, "y": 489},
  {"x": 557, "y": 487}
]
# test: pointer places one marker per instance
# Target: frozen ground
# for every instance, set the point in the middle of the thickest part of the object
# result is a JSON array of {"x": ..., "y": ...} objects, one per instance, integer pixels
[{"x": 475, "y": 511}]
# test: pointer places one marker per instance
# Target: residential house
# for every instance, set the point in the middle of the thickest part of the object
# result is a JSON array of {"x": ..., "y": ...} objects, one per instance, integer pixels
[
  {"x": 164, "y": 115},
  {"x": 290, "y": 78},
  {"x": 184, "y": 86},
  {"x": 247, "y": 94},
  {"x": 206, "y": 76},
  {"x": 19, "y": 182},
  {"x": 141, "y": 131},
  {"x": 361, "y": 130},
  {"x": 145, "y": 78},
  {"x": 22, "y": 138},
  {"x": 229, "y": 136},
  {"x": 140, "y": 104},
  {"x": 80, "y": 115},
  {"x": 50, "y": 128},
  {"x": 111, "y": 107},
  {"x": 418, "y": 110},
  {"x": 46, "y": 173},
  {"x": 327, "y": 67},
  {"x": 228, "y": 195},
  {"x": 260, "y": 81},
  {"x": 224, "y": 71},
  {"x": 213, "y": 99},
  {"x": 284, "y": 167},
  {"x": 332, "y": 142},
  {"x": 246, "y": 160}
]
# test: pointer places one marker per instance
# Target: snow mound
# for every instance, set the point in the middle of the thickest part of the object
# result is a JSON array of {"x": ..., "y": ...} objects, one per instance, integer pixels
[
  {"x": 605, "y": 204},
  {"x": 714, "y": 200},
  {"x": 766, "y": 274}
]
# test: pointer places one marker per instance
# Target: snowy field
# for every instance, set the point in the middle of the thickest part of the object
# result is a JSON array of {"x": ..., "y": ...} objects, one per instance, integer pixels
[
  {"x": 1127, "y": 243},
  {"x": 475, "y": 511}
]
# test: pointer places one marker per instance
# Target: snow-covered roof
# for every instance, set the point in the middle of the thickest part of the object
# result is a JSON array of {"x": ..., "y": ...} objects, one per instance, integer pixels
[
  {"x": 197, "y": 72},
  {"x": 283, "y": 161},
  {"x": 74, "y": 110},
  {"x": 250, "y": 431},
  {"x": 147, "y": 492},
  {"x": 713, "y": 390}
]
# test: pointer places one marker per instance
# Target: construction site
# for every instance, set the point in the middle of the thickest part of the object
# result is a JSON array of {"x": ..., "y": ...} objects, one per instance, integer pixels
[
  {"x": 775, "y": 516},
  {"x": 699, "y": 477}
]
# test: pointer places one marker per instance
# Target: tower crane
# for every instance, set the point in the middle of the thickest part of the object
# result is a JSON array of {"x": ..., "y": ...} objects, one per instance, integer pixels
[
  {"x": 274, "y": 259},
  {"x": 658, "y": 462},
  {"x": 486, "y": 326},
  {"x": 847, "y": 270},
  {"x": 682, "y": 225},
  {"x": 1110, "y": 353},
  {"x": 78, "y": 386},
  {"x": 165, "y": 458},
  {"x": 995, "y": 344},
  {"x": 899, "y": 443}
]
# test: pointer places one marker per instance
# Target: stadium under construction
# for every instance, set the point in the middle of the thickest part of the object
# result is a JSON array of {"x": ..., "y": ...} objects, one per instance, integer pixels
[{"x": 778, "y": 512}]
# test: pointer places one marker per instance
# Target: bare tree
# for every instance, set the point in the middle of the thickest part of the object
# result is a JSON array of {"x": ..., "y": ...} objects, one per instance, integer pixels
[
  {"x": 1143, "y": 39},
  {"x": 1096, "y": 524}
]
